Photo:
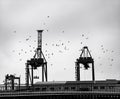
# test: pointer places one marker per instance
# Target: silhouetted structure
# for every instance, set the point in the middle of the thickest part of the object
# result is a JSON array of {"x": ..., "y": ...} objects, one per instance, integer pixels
[
  {"x": 84, "y": 59},
  {"x": 37, "y": 61},
  {"x": 11, "y": 78}
]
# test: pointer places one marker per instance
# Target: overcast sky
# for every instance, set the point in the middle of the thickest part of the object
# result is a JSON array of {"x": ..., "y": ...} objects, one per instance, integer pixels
[{"x": 68, "y": 26}]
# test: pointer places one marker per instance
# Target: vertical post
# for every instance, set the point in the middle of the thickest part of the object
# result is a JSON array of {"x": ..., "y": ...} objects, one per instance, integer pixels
[
  {"x": 39, "y": 50},
  {"x": 40, "y": 39},
  {"x": 46, "y": 71},
  {"x": 32, "y": 76},
  {"x": 19, "y": 83},
  {"x": 93, "y": 73},
  {"x": 6, "y": 82},
  {"x": 77, "y": 71},
  {"x": 27, "y": 75},
  {"x": 43, "y": 73},
  {"x": 12, "y": 83}
]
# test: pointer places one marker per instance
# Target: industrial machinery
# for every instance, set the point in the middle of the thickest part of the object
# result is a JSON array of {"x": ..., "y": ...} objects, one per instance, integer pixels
[
  {"x": 11, "y": 78},
  {"x": 85, "y": 59},
  {"x": 37, "y": 61}
]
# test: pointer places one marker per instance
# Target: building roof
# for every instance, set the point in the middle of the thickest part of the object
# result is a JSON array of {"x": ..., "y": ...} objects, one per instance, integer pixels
[{"x": 108, "y": 81}]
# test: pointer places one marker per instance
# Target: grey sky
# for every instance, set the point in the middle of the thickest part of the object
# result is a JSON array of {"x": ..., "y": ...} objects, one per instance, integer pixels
[{"x": 65, "y": 20}]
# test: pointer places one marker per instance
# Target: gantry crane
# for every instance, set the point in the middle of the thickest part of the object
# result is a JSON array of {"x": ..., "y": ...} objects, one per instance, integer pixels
[
  {"x": 11, "y": 78},
  {"x": 85, "y": 59},
  {"x": 38, "y": 60}
]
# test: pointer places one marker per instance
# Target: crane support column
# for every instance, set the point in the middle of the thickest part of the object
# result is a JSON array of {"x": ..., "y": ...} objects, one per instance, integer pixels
[
  {"x": 43, "y": 73},
  {"x": 93, "y": 72},
  {"x": 77, "y": 69}
]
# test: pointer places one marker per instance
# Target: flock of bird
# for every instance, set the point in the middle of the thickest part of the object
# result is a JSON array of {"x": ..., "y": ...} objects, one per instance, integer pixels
[
  {"x": 61, "y": 44},
  {"x": 107, "y": 51}
]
